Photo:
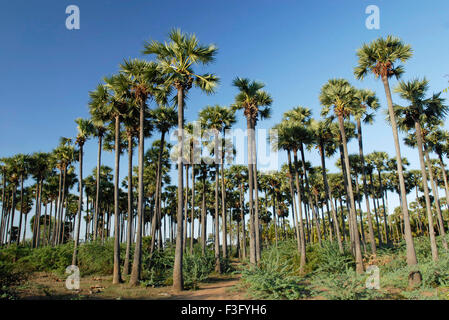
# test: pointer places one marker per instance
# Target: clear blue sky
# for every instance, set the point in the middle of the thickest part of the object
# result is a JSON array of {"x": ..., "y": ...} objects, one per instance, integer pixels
[{"x": 292, "y": 46}]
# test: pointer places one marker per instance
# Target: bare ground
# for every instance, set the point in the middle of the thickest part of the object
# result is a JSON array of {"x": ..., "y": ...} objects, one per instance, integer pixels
[{"x": 47, "y": 286}]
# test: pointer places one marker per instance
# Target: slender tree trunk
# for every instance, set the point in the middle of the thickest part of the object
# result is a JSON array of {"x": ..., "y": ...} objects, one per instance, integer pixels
[
  {"x": 256, "y": 191},
  {"x": 223, "y": 203},
  {"x": 446, "y": 187},
  {"x": 178, "y": 281},
  {"x": 192, "y": 209},
  {"x": 411, "y": 254},
  {"x": 137, "y": 259},
  {"x": 252, "y": 234},
  {"x": 80, "y": 206},
  {"x": 130, "y": 205},
  {"x": 302, "y": 261},
  {"x": 433, "y": 243},
  {"x": 292, "y": 194},
  {"x": 116, "y": 275},
  {"x": 437, "y": 199},
  {"x": 365, "y": 189},
  {"x": 203, "y": 215},
  {"x": 242, "y": 214},
  {"x": 358, "y": 252},
  {"x": 97, "y": 191},
  {"x": 216, "y": 218},
  {"x": 327, "y": 193}
]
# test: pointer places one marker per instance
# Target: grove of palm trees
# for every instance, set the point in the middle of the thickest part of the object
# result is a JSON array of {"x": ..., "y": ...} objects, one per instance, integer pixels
[{"x": 148, "y": 203}]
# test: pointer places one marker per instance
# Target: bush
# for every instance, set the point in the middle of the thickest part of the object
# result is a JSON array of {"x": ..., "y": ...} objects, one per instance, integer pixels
[{"x": 10, "y": 277}]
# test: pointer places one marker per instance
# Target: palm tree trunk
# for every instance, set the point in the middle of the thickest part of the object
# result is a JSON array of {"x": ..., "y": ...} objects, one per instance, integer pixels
[
  {"x": 256, "y": 191},
  {"x": 437, "y": 199},
  {"x": 433, "y": 243},
  {"x": 446, "y": 187},
  {"x": 356, "y": 240},
  {"x": 97, "y": 192},
  {"x": 178, "y": 281},
  {"x": 242, "y": 214},
  {"x": 216, "y": 218},
  {"x": 223, "y": 203},
  {"x": 203, "y": 215},
  {"x": 292, "y": 194},
  {"x": 411, "y": 254},
  {"x": 327, "y": 193},
  {"x": 365, "y": 189},
  {"x": 137, "y": 259},
  {"x": 130, "y": 205},
  {"x": 80, "y": 205},
  {"x": 302, "y": 261},
  {"x": 116, "y": 274},
  {"x": 252, "y": 235},
  {"x": 186, "y": 215},
  {"x": 192, "y": 210},
  {"x": 21, "y": 209}
]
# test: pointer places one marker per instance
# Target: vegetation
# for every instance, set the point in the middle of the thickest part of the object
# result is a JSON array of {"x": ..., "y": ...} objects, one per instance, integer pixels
[{"x": 296, "y": 233}]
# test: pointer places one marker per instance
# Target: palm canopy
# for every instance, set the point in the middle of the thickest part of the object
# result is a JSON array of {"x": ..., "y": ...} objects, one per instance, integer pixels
[
  {"x": 145, "y": 81},
  {"x": 85, "y": 130},
  {"x": 217, "y": 117},
  {"x": 367, "y": 101},
  {"x": 164, "y": 118},
  {"x": 178, "y": 56},
  {"x": 421, "y": 109},
  {"x": 251, "y": 98},
  {"x": 380, "y": 57},
  {"x": 339, "y": 94},
  {"x": 322, "y": 135}
]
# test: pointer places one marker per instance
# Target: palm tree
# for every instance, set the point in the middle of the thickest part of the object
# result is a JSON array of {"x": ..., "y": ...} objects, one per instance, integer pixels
[
  {"x": 145, "y": 81},
  {"x": 117, "y": 88},
  {"x": 379, "y": 57},
  {"x": 176, "y": 60},
  {"x": 85, "y": 130},
  {"x": 339, "y": 94},
  {"x": 256, "y": 106},
  {"x": 416, "y": 115}
]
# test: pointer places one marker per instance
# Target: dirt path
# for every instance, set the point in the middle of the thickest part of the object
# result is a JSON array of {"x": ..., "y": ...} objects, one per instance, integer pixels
[
  {"x": 218, "y": 289},
  {"x": 45, "y": 286}
]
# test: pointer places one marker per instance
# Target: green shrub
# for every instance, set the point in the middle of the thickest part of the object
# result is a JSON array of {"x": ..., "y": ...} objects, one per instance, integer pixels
[{"x": 10, "y": 277}]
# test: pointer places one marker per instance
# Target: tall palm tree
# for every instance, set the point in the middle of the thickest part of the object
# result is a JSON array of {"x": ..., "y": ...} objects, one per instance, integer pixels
[
  {"x": 118, "y": 104},
  {"x": 380, "y": 57},
  {"x": 415, "y": 116},
  {"x": 145, "y": 81},
  {"x": 176, "y": 59},
  {"x": 255, "y": 103},
  {"x": 339, "y": 94},
  {"x": 85, "y": 130}
]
